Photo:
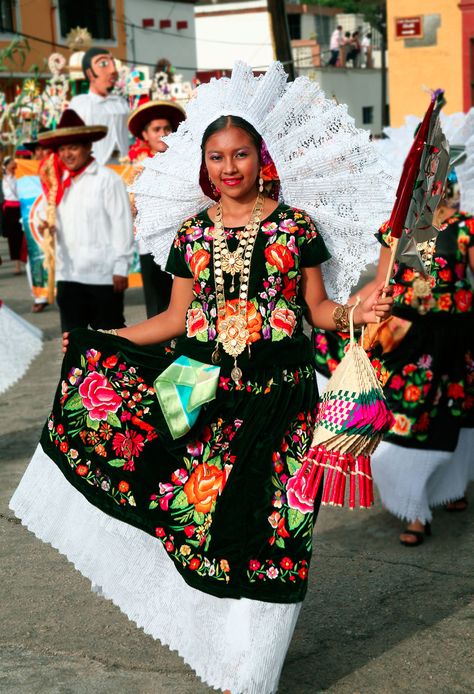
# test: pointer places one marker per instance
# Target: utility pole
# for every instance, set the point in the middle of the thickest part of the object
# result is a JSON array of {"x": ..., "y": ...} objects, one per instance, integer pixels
[
  {"x": 382, "y": 27},
  {"x": 281, "y": 35}
]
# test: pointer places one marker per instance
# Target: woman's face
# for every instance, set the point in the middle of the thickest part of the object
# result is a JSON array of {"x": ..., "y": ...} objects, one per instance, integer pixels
[
  {"x": 232, "y": 162},
  {"x": 10, "y": 167}
]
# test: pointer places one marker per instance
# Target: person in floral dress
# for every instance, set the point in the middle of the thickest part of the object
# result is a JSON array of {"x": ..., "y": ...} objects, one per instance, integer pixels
[
  {"x": 212, "y": 529},
  {"x": 427, "y": 368}
]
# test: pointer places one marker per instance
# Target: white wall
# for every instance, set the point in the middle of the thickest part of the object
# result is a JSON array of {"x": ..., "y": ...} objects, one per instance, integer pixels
[
  {"x": 224, "y": 38},
  {"x": 177, "y": 46}
]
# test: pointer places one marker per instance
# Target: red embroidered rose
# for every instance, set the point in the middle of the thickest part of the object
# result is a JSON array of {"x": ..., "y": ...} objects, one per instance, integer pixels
[
  {"x": 128, "y": 445},
  {"x": 283, "y": 319},
  {"x": 296, "y": 498},
  {"x": 82, "y": 470},
  {"x": 199, "y": 262},
  {"x": 194, "y": 564},
  {"x": 408, "y": 274},
  {"x": 196, "y": 322},
  {"x": 110, "y": 362},
  {"x": 280, "y": 257},
  {"x": 203, "y": 486},
  {"x": 463, "y": 300},
  {"x": 123, "y": 486},
  {"x": 98, "y": 396},
  {"x": 397, "y": 382},
  {"x": 446, "y": 275},
  {"x": 160, "y": 532},
  {"x": 254, "y": 565},
  {"x": 455, "y": 390},
  {"x": 63, "y": 447}
]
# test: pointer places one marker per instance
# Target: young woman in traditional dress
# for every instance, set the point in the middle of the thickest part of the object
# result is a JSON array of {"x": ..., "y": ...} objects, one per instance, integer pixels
[
  {"x": 428, "y": 368},
  {"x": 199, "y": 531}
]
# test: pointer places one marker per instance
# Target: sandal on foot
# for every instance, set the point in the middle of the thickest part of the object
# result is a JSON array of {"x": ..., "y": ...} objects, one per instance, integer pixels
[
  {"x": 457, "y": 505},
  {"x": 38, "y": 308},
  {"x": 419, "y": 536}
]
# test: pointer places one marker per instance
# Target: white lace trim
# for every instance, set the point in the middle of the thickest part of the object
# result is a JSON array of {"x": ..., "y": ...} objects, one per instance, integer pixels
[
  {"x": 327, "y": 167},
  {"x": 20, "y": 343},
  {"x": 231, "y": 644},
  {"x": 458, "y": 129},
  {"x": 412, "y": 481}
]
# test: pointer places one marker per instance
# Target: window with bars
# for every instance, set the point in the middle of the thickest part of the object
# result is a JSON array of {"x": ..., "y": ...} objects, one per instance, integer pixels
[
  {"x": 95, "y": 15},
  {"x": 7, "y": 16}
]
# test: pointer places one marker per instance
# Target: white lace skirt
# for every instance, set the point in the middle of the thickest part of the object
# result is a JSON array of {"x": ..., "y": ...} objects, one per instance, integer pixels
[
  {"x": 231, "y": 644},
  {"x": 412, "y": 481},
  {"x": 20, "y": 343}
]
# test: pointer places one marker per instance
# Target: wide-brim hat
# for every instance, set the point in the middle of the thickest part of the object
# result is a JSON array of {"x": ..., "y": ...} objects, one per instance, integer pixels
[
  {"x": 151, "y": 110},
  {"x": 71, "y": 129}
]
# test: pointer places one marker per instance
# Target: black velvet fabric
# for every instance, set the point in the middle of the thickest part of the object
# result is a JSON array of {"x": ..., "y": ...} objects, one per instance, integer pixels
[{"x": 223, "y": 499}]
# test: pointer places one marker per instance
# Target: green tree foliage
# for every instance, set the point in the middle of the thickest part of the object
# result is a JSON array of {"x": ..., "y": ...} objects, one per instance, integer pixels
[{"x": 373, "y": 10}]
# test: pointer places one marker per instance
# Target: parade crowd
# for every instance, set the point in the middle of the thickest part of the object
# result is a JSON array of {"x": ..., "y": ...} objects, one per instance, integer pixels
[{"x": 177, "y": 444}]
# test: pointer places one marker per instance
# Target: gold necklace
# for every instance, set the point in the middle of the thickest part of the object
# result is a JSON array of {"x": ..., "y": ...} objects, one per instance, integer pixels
[
  {"x": 232, "y": 329},
  {"x": 232, "y": 262}
]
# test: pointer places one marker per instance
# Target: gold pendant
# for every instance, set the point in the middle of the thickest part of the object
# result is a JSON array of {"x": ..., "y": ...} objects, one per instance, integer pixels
[
  {"x": 232, "y": 263},
  {"x": 216, "y": 355},
  {"x": 236, "y": 373},
  {"x": 421, "y": 287},
  {"x": 233, "y": 334}
]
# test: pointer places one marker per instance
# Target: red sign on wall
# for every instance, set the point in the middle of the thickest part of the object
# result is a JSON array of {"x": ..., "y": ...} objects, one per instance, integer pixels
[{"x": 409, "y": 27}]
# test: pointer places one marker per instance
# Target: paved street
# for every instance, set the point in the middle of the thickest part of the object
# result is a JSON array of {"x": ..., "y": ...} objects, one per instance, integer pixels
[{"x": 379, "y": 618}]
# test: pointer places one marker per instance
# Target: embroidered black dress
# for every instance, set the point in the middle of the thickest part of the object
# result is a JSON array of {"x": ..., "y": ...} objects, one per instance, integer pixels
[
  {"x": 222, "y": 501},
  {"x": 429, "y": 378}
]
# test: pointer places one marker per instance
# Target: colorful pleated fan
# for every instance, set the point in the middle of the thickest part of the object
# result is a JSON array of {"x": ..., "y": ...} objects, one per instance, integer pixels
[{"x": 352, "y": 419}]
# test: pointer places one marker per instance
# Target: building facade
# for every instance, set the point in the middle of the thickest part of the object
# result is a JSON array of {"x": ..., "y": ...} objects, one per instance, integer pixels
[{"x": 430, "y": 46}]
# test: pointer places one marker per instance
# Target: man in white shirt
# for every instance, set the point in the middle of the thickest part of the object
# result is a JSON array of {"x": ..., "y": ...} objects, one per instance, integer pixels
[
  {"x": 100, "y": 107},
  {"x": 335, "y": 45},
  {"x": 94, "y": 238}
]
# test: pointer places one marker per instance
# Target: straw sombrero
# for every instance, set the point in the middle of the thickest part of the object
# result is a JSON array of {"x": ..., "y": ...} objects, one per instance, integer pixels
[
  {"x": 151, "y": 110},
  {"x": 71, "y": 128}
]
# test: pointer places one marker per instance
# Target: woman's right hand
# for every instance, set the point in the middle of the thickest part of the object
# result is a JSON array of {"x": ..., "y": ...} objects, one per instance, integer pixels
[{"x": 65, "y": 342}]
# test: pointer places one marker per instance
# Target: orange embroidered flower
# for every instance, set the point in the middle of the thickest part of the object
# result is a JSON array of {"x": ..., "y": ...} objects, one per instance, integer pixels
[
  {"x": 412, "y": 393},
  {"x": 254, "y": 319},
  {"x": 123, "y": 486},
  {"x": 444, "y": 302},
  {"x": 280, "y": 257},
  {"x": 402, "y": 425},
  {"x": 203, "y": 487},
  {"x": 199, "y": 262}
]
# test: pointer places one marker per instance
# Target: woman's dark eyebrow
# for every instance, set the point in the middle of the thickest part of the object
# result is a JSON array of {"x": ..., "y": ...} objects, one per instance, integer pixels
[{"x": 237, "y": 149}]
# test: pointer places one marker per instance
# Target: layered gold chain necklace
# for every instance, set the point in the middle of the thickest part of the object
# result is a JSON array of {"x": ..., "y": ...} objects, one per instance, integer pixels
[{"x": 232, "y": 328}]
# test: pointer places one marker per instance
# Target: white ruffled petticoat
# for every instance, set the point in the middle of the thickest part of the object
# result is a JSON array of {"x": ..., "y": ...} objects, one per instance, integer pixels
[
  {"x": 412, "y": 481},
  {"x": 231, "y": 644},
  {"x": 20, "y": 343}
]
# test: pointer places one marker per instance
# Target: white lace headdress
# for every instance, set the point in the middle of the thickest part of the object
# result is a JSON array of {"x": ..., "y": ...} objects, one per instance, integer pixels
[
  {"x": 458, "y": 129},
  {"x": 326, "y": 166}
]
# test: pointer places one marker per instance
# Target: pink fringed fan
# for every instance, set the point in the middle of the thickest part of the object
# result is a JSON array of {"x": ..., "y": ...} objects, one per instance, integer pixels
[{"x": 352, "y": 420}]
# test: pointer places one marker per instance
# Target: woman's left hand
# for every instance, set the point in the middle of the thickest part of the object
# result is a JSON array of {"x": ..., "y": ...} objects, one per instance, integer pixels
[{"x": 376, "y": 307}]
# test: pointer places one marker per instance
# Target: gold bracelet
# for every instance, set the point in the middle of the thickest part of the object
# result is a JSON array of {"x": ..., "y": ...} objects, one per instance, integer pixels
[
  {"x": 340, "y": 316},
  {"x": 111, "y": 331}
]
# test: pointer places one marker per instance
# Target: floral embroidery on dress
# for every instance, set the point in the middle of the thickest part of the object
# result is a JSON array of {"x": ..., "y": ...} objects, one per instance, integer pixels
[{"x": 106, "y": 404}]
